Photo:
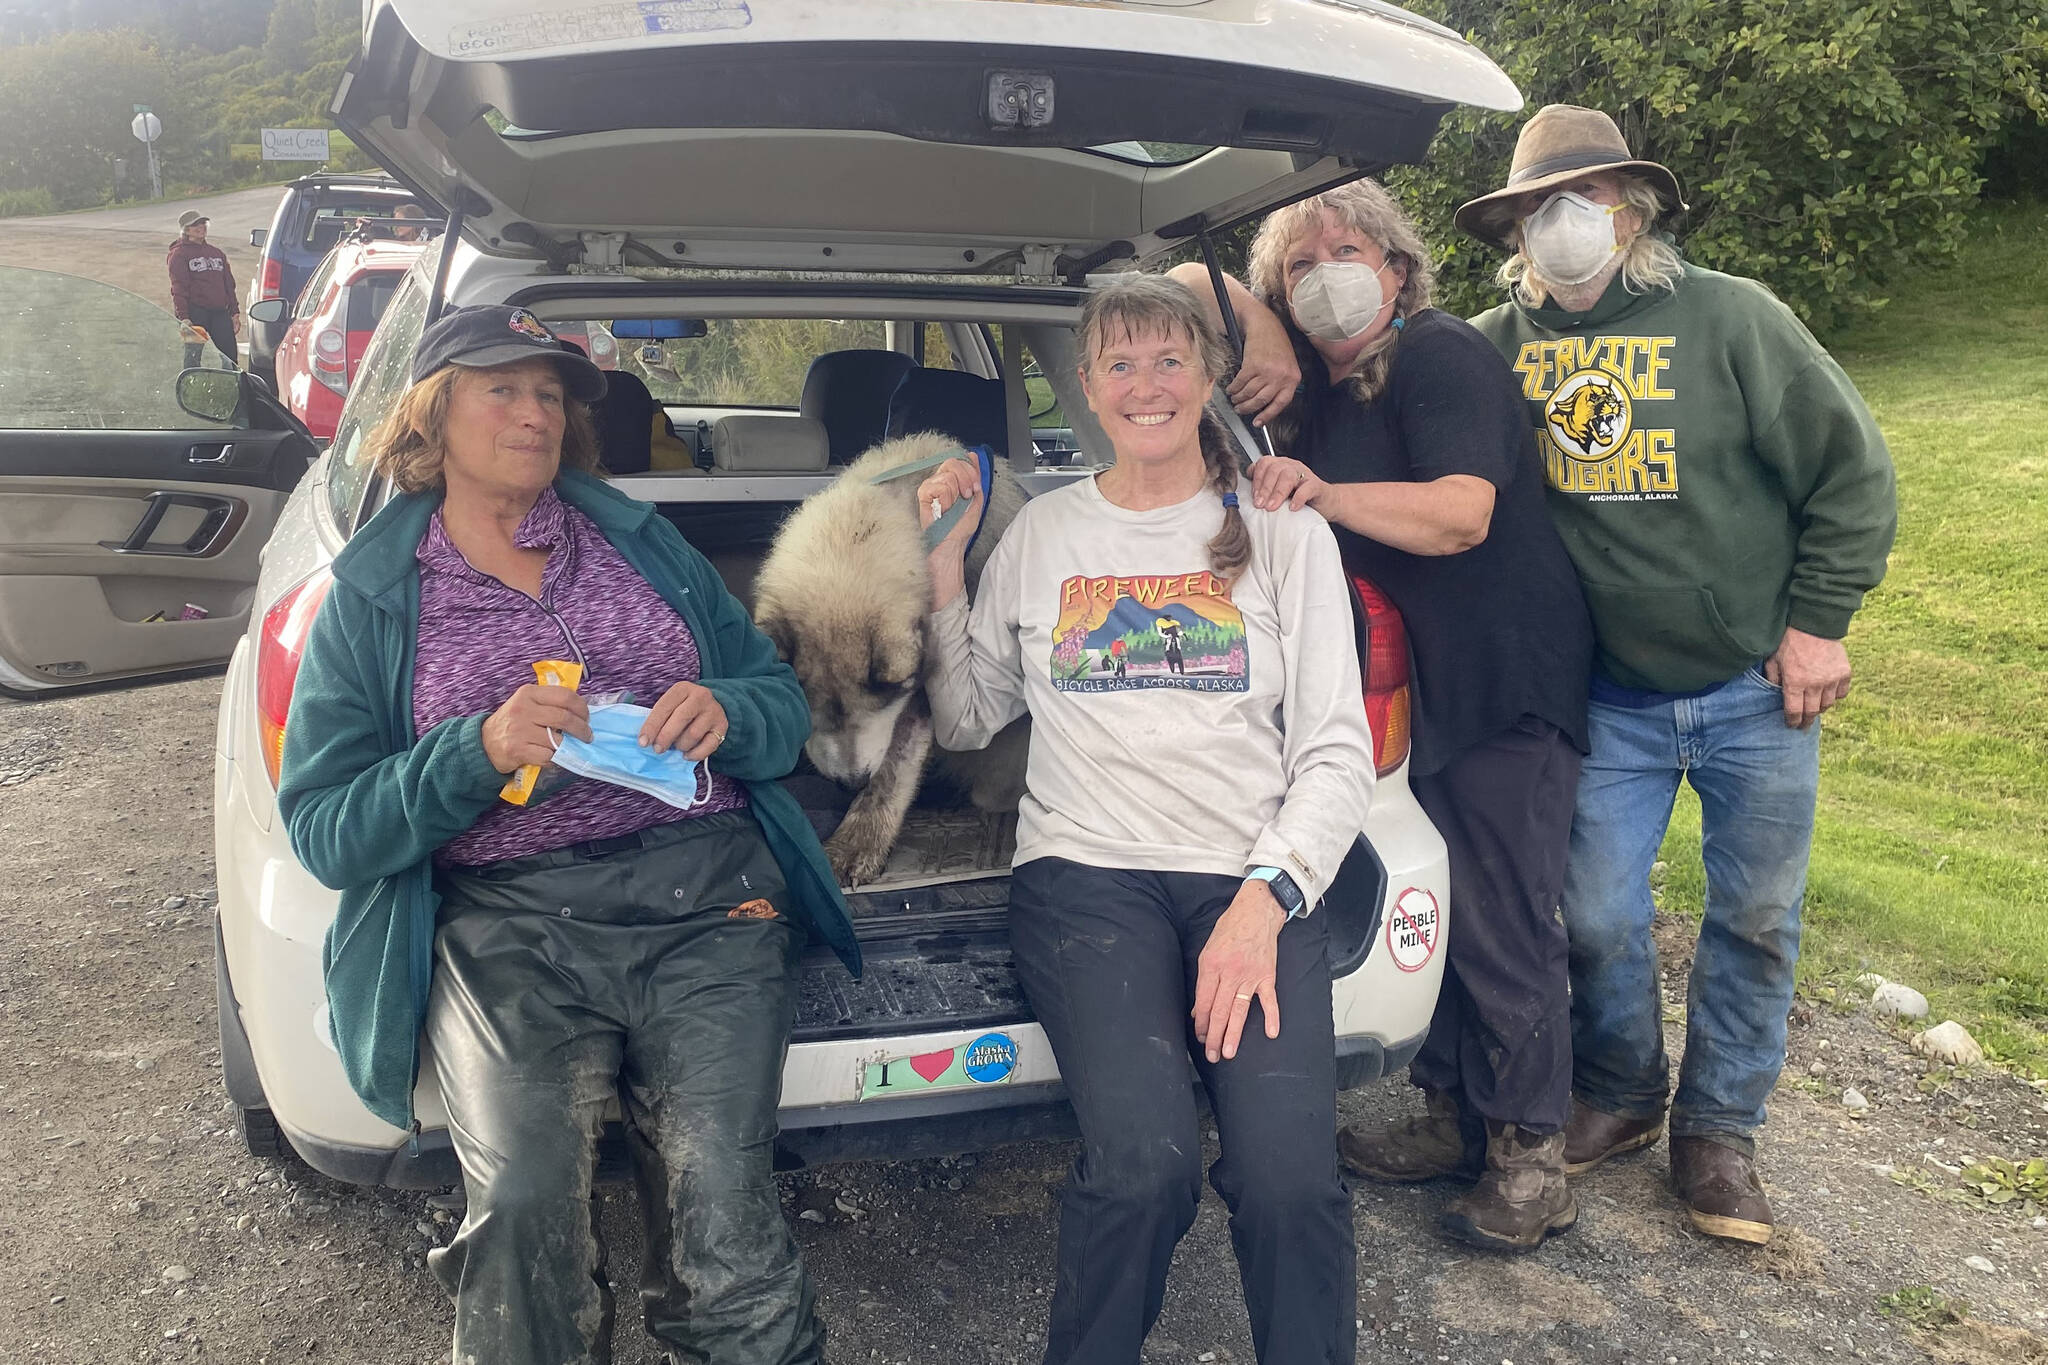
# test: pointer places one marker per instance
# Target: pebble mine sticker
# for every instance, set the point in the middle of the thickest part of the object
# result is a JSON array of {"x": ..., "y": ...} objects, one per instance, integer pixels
[{"x": 1414, "y": 929}]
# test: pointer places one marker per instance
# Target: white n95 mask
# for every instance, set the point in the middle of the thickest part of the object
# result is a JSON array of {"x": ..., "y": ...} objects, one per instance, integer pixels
[
  {"x": 1569, "y": 238},
  {"x": 1336, "y": 300}
]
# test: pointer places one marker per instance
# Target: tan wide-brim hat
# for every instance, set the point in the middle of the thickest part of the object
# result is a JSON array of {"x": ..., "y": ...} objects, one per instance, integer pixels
[{"x": 1560, "y": 143}]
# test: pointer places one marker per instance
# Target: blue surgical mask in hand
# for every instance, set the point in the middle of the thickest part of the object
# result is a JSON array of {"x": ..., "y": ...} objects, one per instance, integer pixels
[{"x": 616, "y": 755}]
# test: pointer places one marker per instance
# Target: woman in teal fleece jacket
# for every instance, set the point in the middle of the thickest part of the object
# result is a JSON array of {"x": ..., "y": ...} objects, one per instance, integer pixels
[{"x": 658, "y": 965}]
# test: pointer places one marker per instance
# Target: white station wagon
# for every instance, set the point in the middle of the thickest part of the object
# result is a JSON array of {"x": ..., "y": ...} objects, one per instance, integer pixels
[{"x": 808, "y": 226}]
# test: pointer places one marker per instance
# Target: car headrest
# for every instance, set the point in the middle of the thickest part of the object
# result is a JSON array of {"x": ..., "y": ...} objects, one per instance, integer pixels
[
  {"x": 963, "y": 406},
  {"x": 849, "y": 392},
  {"x": 624, "y": 418},
  {"x": 753, "y": 444}
]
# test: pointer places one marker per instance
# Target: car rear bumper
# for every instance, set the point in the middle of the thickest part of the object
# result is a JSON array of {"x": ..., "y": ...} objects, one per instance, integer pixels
[
  {"x": 274, "y": 916},
  {"x": 915, "y": 1132}
]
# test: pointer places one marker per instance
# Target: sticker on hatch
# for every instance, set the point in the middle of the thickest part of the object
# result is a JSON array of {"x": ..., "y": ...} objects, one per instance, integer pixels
[
  {"x": 989, "y": 1060},
  {"x": 1414, "y": 929},
  {"x": 597, "y": 24}
]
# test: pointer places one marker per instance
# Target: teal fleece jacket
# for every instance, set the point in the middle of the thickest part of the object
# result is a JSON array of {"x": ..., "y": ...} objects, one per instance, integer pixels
[
  {"x": 367, "y": 804},
  {"x": 1714, "y": 473}
]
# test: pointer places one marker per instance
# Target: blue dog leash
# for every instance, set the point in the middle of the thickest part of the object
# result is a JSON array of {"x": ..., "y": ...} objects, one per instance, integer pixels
[{"x": 984, "y": 460}]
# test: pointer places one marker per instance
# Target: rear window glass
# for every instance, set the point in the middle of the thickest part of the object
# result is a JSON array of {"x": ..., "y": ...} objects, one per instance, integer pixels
[
  {"x": 368, "y": 296},
  {"x": 314, "y": 293},
  {"x": 385, "y": 371},
  {"x": 330, "y": 222},
  {"x": 744, "y": 362}
]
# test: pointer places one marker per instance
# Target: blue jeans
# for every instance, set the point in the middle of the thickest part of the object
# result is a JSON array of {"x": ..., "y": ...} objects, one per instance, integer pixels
[{"x": 1757, "y": 779}]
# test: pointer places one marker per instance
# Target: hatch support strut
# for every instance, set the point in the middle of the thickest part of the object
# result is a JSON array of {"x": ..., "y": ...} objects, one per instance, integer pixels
[
  {"x": 437, "y": 299},
  {"x": 1233, "y": 331}
]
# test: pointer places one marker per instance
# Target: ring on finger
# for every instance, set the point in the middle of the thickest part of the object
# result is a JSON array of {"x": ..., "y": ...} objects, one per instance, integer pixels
[{"x": 1244, "y": 995}]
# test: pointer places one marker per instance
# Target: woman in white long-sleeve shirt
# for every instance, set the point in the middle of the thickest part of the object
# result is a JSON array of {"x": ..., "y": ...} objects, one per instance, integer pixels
[{"x": 1200, "y": 765}]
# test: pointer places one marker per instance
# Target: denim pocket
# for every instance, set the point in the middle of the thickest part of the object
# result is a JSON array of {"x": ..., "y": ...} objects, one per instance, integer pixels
[{"x": 1755, "y": 674}]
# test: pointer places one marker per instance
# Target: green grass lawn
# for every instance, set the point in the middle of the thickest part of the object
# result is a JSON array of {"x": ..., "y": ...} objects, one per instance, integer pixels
[{"x": 1930, "y": 862}]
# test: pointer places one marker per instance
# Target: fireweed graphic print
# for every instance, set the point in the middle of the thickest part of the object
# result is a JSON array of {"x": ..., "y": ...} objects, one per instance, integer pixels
[{"x": 1151, "y": 630}]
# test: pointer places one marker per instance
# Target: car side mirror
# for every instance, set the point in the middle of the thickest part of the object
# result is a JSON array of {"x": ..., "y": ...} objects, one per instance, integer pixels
[
  {"x": 212, "y": 394},
  {"x": 258, "y": 237},
  {"x": 268, "y": 310}
]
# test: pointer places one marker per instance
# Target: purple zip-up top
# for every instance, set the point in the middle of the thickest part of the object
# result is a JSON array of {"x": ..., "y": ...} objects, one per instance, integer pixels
[{"x": 479, "y": 640}]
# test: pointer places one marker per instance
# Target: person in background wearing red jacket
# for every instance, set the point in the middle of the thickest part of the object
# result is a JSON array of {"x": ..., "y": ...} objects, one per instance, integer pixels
[{"x": 203, "y": 287}]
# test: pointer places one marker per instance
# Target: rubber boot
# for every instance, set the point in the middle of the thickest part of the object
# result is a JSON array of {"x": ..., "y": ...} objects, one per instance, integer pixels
[
  {"x": 1521, "y": 1199},
  {"x": 1427, "y": 1146}
]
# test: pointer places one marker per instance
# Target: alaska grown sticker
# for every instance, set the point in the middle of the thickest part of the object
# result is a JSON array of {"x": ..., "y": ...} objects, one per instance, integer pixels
[
  {"x": 989, "y": 1060},
  {"x": 1147, "y": 631}
]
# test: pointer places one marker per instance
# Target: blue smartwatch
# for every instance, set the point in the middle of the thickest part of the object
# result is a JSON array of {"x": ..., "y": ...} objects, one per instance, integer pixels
[{"x": 1284, "y": 890}]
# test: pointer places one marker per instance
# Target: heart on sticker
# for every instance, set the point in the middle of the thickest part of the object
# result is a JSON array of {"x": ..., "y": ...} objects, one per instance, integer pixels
[{"x": 932, "y": 1065}]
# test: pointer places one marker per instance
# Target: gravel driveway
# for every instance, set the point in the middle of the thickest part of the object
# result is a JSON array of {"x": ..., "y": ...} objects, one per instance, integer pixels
[{"x": 136, "y": 1229}]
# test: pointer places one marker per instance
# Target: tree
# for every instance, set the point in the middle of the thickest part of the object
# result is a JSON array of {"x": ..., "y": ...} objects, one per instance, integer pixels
[
  {"x": 288, "y": 39},
  {"x": 1825, "y": 145},
  {"x": 69, "y": 103}
]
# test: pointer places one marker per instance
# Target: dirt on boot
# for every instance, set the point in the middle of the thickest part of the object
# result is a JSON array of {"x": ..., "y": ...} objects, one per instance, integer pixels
[
  {"x": 1521, "y": 1200},
  {"x": 1427, "y": 1146}
]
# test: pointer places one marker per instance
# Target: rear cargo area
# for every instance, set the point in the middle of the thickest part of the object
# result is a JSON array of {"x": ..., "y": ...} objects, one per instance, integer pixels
[{"x": 933, "y": 927}]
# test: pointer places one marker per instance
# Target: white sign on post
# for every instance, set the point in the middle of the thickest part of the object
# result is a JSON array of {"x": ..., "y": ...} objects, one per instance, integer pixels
[
  {"x": 295, "y": 144},
  {"x": 147, "y": 128}
]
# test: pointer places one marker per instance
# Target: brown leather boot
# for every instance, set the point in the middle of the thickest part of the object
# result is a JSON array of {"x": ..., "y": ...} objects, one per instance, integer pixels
[
  {"x": 1427, "y": 1146},
  {"x": 1720, "y": 1190},
  {"x": 1593, "y": 1135},
  {"x": 1521, "y": 1199}
]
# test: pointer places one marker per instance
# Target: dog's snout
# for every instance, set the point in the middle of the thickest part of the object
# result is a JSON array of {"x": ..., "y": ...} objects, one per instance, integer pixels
[{"x": 837, "y": 757}]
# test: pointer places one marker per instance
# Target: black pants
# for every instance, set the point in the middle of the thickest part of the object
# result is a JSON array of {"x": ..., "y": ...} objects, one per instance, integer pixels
[
  {"x": 568, "y": 977},
  {"x": 1108, "y": 961},
  {"x": 220, "y": 326},
  {"x": 1500, "y": 1040}
]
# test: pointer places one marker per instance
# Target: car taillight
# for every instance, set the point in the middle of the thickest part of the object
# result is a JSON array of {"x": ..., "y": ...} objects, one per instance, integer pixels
[
  {"x": 330, "y": 359},
  {"x": 1385, "y": 668},
  {"x": 278, "y": 650},
  {"x": 272, "y": 286}
]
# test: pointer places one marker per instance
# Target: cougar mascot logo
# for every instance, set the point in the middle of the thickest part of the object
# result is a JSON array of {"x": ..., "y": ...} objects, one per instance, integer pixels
[{"x": 1589, "y": 414}]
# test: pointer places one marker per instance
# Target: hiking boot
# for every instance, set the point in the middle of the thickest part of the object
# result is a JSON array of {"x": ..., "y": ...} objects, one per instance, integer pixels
[
  {"x": 1521, "y": 1199},
  {"x": 1427, "y": 1146},
  {"x": 1720, "y": 1190},
  {"x": 1593, "y": 1135}
]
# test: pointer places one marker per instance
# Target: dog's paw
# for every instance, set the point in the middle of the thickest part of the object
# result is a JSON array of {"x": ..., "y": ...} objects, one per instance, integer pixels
[{"x": 855, "y": 858}]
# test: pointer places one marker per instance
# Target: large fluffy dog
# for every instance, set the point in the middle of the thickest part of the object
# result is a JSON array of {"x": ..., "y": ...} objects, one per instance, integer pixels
[{"x": 843, "y": 594}]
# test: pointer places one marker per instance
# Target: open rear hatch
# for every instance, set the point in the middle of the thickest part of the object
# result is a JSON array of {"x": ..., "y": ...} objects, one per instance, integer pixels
[{"x": 1026, "y": 136}]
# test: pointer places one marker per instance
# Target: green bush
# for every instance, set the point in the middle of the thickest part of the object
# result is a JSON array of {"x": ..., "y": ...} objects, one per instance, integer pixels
[
  {"x": 1826, "y": 146},
  {"x": 26, "y": 203},
  {"x": 66, "y": 98}
]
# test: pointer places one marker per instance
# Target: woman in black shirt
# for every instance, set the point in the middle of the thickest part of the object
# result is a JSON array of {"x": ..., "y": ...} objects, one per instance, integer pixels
[{"x": 1409, "y": 434}]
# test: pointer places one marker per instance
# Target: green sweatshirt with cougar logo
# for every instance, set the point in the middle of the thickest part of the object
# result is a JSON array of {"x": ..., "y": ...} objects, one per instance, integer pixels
[{"x": 1714, "y": 474}]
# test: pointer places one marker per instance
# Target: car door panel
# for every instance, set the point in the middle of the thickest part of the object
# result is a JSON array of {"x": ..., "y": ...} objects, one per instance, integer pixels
[{"x": 106, "y": 538}]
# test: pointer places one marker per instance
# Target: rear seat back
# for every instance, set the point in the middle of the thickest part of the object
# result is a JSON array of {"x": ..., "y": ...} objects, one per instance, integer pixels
[
  {"x": 625, "y": 421},
  {"x": 753, "y": 443},
  {"x": 849, "y": 392},
  {"x": 963, "y": 406}
]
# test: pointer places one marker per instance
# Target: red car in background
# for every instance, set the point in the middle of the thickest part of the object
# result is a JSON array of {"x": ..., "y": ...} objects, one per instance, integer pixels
[{"x": 338, "y": 310}]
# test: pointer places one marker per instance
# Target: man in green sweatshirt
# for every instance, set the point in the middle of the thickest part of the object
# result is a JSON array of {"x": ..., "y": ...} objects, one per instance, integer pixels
[{"x": 1727, "y": 500}]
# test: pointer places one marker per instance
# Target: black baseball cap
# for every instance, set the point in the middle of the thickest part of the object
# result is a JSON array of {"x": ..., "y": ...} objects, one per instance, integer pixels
[{"x": 490, "y": 334}]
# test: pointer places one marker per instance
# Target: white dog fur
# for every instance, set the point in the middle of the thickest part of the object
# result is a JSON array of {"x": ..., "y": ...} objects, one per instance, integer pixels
[{"x": 843, "y": 593}]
